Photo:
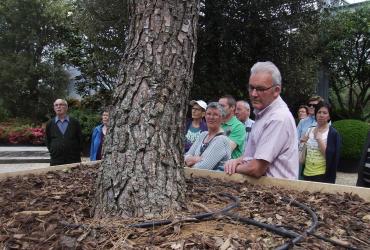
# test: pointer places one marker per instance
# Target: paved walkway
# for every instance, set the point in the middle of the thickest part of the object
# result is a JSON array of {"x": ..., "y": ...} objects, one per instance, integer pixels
[
  {"x": 31, "y": 154},
  {"x": 20, "y": 158},
  {"x": 23, "y": 149}
]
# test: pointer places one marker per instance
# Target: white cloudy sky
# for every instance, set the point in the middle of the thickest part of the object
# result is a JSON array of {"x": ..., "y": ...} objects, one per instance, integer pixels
[{"x": 355, "y": 1}]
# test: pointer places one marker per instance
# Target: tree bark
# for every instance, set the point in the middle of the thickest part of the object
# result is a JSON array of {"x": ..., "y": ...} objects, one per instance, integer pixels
[{"x": 142, "y": 170}]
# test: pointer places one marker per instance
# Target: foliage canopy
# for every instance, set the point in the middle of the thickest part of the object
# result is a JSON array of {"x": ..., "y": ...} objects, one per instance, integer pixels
[
  {"x": 345, "y": 44},
  {"x": 234, "y": 35},
  {"x": 102, "y": 28},
  {"x": 33, "y": 35},
  {"x": 40, "y": 38}
]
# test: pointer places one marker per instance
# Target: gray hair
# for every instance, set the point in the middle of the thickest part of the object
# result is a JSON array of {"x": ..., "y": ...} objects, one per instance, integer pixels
[
  {"x": 216, "y": 105},
  {"x": 246, "y": 104},
  {"x": 62, "y": 100},
  {"x": 267, "y": 67}
]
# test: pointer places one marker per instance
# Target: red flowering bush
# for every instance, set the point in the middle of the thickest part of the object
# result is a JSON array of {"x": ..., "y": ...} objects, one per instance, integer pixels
[
  {"x": 17, "y": 137},
  {"x": 37, "y": 135},
  {"x": 24, "y": 134}
]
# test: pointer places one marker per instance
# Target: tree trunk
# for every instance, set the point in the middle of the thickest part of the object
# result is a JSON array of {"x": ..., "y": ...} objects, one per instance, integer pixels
[{"x": 142, "y": 171}]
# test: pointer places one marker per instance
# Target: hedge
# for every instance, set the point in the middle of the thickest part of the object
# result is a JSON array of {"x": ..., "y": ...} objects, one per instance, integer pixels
[{"x": 354, "y": 134}]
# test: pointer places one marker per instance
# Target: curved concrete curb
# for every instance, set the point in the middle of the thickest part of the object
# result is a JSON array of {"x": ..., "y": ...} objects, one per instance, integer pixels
[
  {"x": 288, "y": 184},
  {"x": 47, "y": 169}
]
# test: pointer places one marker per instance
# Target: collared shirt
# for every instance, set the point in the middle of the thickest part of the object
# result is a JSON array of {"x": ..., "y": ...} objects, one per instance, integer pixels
[
  {"x": 62, "y": 124},
  {"x": 304, "y": 125},
  {"x": 274, "y": 139},
  {"x": 235, "y": 130}
]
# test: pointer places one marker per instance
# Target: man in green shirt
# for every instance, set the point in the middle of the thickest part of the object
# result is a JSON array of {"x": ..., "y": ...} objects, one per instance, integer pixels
[{"x": 232, "y": 127}]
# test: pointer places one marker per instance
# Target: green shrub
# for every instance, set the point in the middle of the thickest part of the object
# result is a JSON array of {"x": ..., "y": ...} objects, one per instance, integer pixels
[
  {"x": 4, "y": 113},
  {"x": 88, "y": 121},
  {"x": 98, "y": 101},
  {"x": 73, "y": 103},
  {"x": 354, "y": 134}
]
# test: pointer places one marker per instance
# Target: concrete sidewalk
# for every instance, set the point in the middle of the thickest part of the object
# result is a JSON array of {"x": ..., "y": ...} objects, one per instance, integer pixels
[
  {"x": 24, "y": 154},
  {"x": 23, "y": 148}
]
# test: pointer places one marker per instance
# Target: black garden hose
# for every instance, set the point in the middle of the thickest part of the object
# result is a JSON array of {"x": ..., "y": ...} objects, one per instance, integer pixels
[
  {"x": 199, "y": 217},
  {"x": 277, "y": 229},
  {"x": 333, "y": 242},
  {"x": 269, "y": 227},
  {"x": 148, "y": 224},
  {"x": 310, "y": 230}
]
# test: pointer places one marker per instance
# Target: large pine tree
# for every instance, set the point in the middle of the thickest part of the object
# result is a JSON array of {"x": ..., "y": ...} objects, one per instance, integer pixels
[{"x": 142, "y": 171}]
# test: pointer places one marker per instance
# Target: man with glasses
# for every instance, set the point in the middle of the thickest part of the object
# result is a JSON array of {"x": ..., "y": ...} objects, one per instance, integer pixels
[
  {"x": 272, "y": 148},
  {"x": 63, "y": 136},
  {"x": 309, "y": 121}
]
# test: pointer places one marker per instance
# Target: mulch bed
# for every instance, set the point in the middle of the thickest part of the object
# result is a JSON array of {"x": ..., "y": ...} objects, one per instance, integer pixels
[{"x": 65, "y": 222}]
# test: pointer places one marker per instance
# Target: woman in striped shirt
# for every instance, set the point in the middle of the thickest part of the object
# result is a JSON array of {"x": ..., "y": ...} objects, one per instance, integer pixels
[{"x": 212, "y": 148}]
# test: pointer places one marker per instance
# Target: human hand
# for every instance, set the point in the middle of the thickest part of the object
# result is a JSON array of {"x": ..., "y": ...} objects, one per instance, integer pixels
[
  {"x": 317, "y": 135},
  {"x": 231, "y": 165},
  {"x": 304, "y": 139},
  {"x": 191, "y": 160}
]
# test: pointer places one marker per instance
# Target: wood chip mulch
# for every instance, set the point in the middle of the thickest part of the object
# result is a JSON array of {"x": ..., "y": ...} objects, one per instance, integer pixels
[{"x": 53, "y": 211}]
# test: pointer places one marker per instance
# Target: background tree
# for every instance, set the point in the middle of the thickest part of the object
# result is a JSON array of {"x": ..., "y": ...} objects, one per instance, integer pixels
[
  {"x": 233, "y": 35},
  {"x": 142, "y": 171},
  {"x": 345, "y": 43},
  {"x": 33, "y": 33},
  {"x": 102, "y": 27}
]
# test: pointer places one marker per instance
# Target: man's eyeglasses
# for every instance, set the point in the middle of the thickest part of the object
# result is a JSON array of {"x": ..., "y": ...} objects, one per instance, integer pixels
[
  {"x": 59, "y": 104},
  {"x": 259, "y": 89},
  {"x": 311, "y": 105}
]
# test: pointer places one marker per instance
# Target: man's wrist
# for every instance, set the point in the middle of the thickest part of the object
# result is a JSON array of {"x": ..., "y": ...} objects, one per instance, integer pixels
[
  {"x": 240, "y": 166},
  {"x": 236, "y": 168}
]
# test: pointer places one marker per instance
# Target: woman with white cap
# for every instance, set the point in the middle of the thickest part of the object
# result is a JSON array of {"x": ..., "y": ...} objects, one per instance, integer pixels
[{"x": 196, "y": 124}]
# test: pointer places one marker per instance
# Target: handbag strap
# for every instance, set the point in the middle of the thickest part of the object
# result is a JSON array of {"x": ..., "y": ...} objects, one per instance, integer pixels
[{"x": 205, "y": 145}]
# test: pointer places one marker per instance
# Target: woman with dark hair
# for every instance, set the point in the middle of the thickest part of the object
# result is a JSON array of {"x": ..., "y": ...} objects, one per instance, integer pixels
[
  {"x": 212, "y": 148},
  {"x": 97, "y": 137},
  {"x": 323, "y": 148}
]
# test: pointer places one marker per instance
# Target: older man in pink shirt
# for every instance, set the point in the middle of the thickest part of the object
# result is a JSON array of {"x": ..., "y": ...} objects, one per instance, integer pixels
[{"x": 272, "y": 146}]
